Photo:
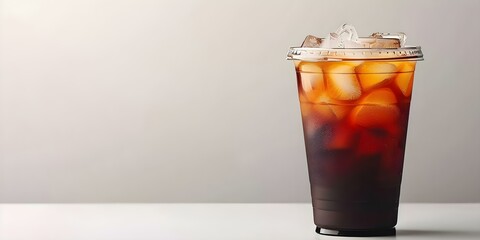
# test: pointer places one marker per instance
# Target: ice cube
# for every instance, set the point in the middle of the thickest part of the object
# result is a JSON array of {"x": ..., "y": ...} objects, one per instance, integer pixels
[
  {"x": 404, "y": 79},
  {"x": 400, "y": 36},
  {"x": 341, "y": 67},
  {"x": 312, "y": 42},
  {"x": 404, "y": 66},
  {"x": 375, "y": 115},
  {"x": 323, "y": 98},
  {"x": 343, "y": 86},
  {"x": 347, "y": 32},
  {"x": 382, "y": 96},
  {"x": 407, "y": 66},
  {"x": 345, "y": 37},
  {"x": 312, "y": 67},
  {"x": 404, "y": 82},
  {"x": 306, "y": 84},
  {"x": 376, "y": 109},
  {"x": 373, "y": 74},
  {"x": 313, "y": 91},
  {"x": 312, "y": 85},
  {"x": 376, "y": 67}
]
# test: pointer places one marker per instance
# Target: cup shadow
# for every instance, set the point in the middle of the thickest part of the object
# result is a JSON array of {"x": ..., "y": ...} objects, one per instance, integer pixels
[{"x": 455, "y": 234}]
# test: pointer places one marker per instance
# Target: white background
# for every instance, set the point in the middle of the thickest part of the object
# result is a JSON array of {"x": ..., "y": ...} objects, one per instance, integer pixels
[{"x": 193, "y": 101}]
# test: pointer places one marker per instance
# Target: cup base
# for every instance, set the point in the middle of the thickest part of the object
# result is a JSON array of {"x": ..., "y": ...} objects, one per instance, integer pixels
[{"x": 356, "y": 233}]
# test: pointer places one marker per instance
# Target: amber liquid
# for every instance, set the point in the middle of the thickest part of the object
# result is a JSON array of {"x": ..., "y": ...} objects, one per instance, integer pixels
[{"x": 355, "y": 117}]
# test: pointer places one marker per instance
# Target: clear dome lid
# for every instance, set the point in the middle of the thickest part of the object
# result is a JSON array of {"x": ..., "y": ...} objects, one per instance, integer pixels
[{"x": 345, "y": 45}]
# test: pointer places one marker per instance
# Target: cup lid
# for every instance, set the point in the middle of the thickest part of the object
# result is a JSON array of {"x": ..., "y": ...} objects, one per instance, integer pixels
[{"x": 345, "y": 45}]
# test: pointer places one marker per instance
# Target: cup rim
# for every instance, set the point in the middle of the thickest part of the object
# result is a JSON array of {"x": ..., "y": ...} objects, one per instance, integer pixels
[{"x": 407, "y": 53}]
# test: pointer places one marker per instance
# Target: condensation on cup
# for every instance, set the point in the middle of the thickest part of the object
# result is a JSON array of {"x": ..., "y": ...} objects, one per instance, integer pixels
[{"x": 355, "y": 97}]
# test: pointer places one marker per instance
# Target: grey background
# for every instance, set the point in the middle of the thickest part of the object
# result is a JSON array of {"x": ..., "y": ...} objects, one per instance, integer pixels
[{"x": 193, "y": 101}]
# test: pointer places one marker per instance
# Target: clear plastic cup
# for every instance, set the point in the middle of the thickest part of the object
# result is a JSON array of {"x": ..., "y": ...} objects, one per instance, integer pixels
[{"x": 355, "y": 101}]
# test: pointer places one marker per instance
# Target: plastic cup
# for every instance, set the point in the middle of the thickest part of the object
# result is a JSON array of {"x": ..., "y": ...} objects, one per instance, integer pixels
[{"x": 355, "y": 107}]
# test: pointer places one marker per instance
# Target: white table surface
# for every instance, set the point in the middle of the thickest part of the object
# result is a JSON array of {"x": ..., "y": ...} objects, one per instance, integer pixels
[{"x": 214, "y": 221}]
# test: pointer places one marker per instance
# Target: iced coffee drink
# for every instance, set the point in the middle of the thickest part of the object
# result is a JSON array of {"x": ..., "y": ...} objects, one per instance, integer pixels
[{"x": 355, "y": 99}]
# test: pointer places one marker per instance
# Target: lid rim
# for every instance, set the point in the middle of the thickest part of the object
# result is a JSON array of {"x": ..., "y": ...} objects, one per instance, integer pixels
[
  {"x": 345, "y": 54},
  {"x": 363, "y": 49},
  {"x": 355, "y": 59}
]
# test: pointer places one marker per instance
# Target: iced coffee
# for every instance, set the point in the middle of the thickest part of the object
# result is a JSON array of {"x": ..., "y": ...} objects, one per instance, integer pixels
[{"x": 355, "y": 98}]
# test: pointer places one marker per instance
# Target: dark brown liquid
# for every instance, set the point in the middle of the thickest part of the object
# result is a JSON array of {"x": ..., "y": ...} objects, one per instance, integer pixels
[{"x": 355, "y": 121}]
